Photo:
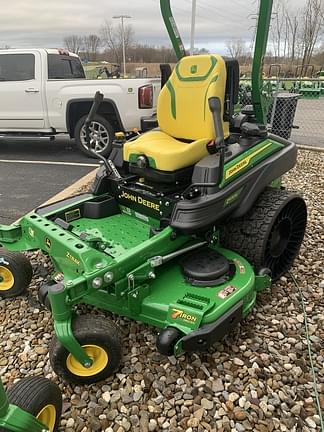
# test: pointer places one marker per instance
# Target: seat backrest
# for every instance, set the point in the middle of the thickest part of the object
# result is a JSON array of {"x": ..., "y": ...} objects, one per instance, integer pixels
[{"x": 183, "y": 110}]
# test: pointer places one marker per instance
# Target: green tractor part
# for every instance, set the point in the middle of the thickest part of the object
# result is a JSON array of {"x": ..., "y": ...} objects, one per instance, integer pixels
[
  {"x": 304, "y": 84},
  {"x": 178, "y": 233},
  {"x": 32, "y": 405},
  {"x": 309, "y": 93},
  {"x": 321, "y": 81}
]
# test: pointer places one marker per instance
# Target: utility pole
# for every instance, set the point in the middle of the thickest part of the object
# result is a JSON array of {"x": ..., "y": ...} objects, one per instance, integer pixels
[
  {"x": 193, "y": 25},
  {"x": 122, "y": 17}
]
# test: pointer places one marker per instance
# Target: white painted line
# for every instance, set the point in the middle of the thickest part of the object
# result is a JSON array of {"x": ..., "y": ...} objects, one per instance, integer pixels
[
  {"x": 68, "y": 192},
  {"x": 48, "y": 163}
]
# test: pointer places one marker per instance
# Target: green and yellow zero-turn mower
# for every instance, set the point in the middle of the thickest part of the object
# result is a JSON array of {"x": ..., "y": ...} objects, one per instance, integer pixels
[
  {"x": 32, "y": 405},
  {"x": 184, "y": 225}
]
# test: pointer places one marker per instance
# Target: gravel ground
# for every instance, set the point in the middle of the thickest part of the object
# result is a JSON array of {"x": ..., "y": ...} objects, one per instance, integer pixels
[{"x": 257, "y": 379}]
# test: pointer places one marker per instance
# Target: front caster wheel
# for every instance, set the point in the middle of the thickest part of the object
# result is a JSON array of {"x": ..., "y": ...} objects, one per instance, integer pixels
[
  {"x": 101, "y": 340},
  {"x": 15, "y": 273},
  {"x": 39, "y": 397}
]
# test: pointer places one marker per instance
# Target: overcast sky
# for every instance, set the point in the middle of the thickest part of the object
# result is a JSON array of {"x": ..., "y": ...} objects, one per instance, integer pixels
[{"x": 44, "y": 23}]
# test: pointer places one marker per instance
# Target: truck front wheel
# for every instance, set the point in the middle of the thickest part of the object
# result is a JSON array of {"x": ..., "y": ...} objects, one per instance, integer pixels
[{"x": 101, "y": 136}]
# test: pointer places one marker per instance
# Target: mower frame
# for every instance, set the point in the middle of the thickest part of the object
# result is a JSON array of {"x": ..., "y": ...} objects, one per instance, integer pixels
[{"x": 127, "y": 280}]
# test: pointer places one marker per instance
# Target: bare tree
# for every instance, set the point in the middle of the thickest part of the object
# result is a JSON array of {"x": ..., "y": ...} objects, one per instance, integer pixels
[
  {"x": 201, "y": 51},
  {"x": 312, "y": 26},
  {"x": 293, "y": 25},
  {"x": 112, "y": 38},
  {"x": 277, "y": 30},
  {"x": 73, "y": 43},
  {"x": 91, "y": 44},
  {"x": 236, "y": 48}
]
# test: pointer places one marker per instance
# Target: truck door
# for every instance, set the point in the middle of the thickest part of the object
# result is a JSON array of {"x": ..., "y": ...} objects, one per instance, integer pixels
[{"x": 21, "y": 105}]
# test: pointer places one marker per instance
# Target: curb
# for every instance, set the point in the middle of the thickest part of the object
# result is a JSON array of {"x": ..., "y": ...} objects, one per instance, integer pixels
[
  {"x": 75, "y": 187},
  {"x": 310, "y": 148}
]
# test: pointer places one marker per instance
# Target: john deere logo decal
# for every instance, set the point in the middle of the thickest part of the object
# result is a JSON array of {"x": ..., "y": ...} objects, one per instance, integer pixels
[
  {"x": 244, "y": 162},
  {"x": 178, "y": 313},
  {"x": 139, "y": 200},
  {"x": 48, "y": 243}
]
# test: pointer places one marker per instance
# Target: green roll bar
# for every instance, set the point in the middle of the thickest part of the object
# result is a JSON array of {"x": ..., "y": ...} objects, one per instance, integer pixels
[
  {"x": 264, "y": 20},
  {"x": 172, "y": 29},
  {"x": 261, "y": 41}
]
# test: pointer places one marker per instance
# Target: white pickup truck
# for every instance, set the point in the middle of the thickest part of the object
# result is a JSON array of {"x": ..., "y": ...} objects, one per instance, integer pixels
[{"x": 43, "y": 92}]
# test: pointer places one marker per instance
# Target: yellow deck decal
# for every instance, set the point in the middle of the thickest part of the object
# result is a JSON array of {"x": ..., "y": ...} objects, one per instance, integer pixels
[
  {"x": 244, "y": 162},
  {"x": 178, "y": 313}
]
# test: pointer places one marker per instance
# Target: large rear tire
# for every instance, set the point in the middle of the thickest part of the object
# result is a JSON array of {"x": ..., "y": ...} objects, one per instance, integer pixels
[{"x": 271, "y": 233}]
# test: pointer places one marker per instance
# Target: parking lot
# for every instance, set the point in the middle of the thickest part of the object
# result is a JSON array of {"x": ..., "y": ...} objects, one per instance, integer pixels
[
  {"x": 33, "y": 171},
  {"x": 309, "y": 120}
]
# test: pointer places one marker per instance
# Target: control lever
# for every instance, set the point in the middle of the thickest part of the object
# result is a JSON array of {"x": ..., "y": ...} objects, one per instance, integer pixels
[
  {"x": 93, "y": 111},
  {"x": 99, "y": 97},
  {"x": 219, "y": 146}
]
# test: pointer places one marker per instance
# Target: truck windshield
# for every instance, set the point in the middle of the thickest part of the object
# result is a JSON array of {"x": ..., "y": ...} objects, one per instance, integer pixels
[{"x": 64, "y": 67}]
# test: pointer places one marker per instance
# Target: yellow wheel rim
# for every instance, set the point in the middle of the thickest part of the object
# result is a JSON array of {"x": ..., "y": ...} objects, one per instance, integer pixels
[
  {"x": 7, "y": 279},
  {"x": 47, "y": 416},
  {"x": 99, "y": 357}
]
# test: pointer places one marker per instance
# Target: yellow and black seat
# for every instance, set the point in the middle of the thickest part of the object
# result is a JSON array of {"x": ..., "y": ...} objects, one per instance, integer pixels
[{"x": 185, "y": 121}]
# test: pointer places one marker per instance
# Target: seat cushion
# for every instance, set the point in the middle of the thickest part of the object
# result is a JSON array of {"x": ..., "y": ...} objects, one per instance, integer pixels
[{"x": 164, "y": 152}]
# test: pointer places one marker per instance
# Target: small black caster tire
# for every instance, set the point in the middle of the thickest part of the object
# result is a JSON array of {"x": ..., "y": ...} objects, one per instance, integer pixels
[
  {"x": 167, "y": 339},
  {"x": 39, "y": 397},
  {"x": 101, "y": 339},
  {"x": 15, "y": 273}
]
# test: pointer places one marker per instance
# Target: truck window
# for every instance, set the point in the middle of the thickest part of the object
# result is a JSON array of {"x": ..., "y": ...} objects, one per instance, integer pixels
[
  {"x": 64, "y": 67},
  {"x": 17, "y": 67}
]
